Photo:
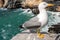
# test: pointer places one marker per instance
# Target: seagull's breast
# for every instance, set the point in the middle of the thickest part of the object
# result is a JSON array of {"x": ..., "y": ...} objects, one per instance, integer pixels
[{"x": 43, "y": 18}]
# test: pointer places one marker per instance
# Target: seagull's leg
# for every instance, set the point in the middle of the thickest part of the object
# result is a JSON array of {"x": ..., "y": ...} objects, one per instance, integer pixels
[{"x": 40, "y": 35}]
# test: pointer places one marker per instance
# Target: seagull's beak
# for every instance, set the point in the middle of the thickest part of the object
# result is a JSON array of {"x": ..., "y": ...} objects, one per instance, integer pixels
[{"x": 50, "y": 5}]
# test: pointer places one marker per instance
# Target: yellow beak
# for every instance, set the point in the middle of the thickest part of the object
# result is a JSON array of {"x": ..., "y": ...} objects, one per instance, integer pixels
[{"x": 50, "y": 4}]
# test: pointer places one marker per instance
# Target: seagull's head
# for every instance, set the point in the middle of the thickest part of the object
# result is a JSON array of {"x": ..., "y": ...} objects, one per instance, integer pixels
[{"x": 43, "y": 5}]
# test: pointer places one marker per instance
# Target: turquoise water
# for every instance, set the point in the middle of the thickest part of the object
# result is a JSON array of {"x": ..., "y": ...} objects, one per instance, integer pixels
[{"x": 11, "y": 19}]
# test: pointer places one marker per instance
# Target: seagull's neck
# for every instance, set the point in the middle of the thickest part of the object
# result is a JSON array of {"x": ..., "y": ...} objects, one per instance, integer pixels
[
  {"x": 43, "y": 16},
  {"x": 42, "y": 12}
]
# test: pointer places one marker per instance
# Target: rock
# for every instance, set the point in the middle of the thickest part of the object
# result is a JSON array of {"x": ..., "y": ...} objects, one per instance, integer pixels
[
  {"x": 5, "y": 3},
  {"x": 58, "y": 8},
  {"x": 54, "y": 28},
  {"x": 1, "y": 3},
  {"x": 35, "y": 11},
  {"x": 32, "y": 36},
  {"x": 12, "y": 4},
  {"x": 31, "y": 3}
]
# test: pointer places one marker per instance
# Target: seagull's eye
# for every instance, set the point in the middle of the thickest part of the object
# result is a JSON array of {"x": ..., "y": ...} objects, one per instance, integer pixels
[{"x": 44, "y": 4}]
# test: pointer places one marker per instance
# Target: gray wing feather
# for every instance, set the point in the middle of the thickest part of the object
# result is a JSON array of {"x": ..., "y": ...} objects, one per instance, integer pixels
[{"x": 33, "y": 22}]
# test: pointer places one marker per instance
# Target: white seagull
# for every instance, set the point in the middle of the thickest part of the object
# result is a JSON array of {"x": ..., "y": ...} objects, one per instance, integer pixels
[{"x": 40, "y": 20}]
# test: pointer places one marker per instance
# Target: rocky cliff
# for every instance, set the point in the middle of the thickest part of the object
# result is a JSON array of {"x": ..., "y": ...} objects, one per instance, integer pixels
[{"x": 31, "y": 3}]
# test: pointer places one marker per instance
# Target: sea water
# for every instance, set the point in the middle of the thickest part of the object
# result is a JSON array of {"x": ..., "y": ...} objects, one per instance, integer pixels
[{"x": 10, "y": 20}]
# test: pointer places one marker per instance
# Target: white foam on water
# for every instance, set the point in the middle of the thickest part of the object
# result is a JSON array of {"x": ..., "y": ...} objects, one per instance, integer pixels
[
  {"x": 52, "y": 20},
  {"x": 3, "y": 30},
  {"x": 3, "y": 8},
  {"x": 9, "y": 25}
]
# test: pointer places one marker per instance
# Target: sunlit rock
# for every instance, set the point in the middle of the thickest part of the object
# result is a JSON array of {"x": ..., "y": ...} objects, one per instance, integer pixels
[
  {"x": 1, "y": 3},
  {"x": 31, "y": 3}
]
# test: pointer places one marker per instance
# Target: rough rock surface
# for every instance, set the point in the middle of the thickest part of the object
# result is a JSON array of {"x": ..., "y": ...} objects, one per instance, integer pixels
[{"x": 32, "y": 36}]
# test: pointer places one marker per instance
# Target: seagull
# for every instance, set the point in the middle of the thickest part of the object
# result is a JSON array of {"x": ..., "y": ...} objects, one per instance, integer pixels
[{"x": 39, "y": 21}]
